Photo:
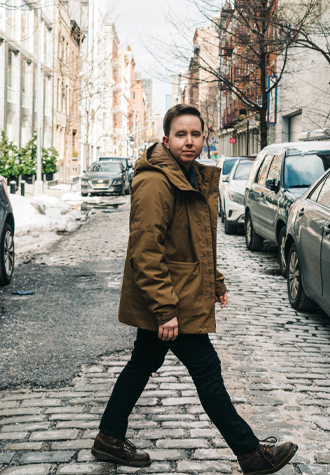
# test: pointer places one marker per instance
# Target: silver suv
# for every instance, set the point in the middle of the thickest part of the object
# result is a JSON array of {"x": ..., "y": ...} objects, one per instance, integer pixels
[{"x": 7, "y": 227}]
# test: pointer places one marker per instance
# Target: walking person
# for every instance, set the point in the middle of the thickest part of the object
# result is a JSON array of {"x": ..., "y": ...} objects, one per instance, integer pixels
[{"x": 169, "y": 291}]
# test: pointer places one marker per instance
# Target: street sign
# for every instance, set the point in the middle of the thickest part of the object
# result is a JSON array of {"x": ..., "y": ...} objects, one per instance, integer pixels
[{"x": 232, "y": 139}]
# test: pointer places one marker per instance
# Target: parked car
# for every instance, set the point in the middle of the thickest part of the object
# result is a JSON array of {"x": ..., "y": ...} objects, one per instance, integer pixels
[
  {"x": 206, "y": 161},
  {"x": 128, "y": 166},
  {"x": 307, "y": 248},
  {"x": 227, "y": 164},
  {"x": 281, "y": 174},
  {"x": 105, "y": 178},
  {"x": 7, "y": 227},
  {"x": 233, "y": 200}
]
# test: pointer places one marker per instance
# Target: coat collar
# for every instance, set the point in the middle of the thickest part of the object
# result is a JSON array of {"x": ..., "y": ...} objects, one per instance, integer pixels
[{"x": 158, "y": 157}]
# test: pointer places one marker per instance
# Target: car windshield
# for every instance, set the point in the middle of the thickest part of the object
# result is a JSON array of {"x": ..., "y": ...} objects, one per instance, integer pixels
[
  {"x": 301, "y": 171},
  {"x": 227, "y": 166},
  {"x": 103, "y": 167},
  {"x": 243, "y": 170},
  {"x": 117, "y": 159}
]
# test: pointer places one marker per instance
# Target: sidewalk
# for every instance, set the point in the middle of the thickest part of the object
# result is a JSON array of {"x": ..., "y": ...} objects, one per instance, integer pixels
[
  {"x": 29, "y": 190},
  {"x": 276, "y": 367}
]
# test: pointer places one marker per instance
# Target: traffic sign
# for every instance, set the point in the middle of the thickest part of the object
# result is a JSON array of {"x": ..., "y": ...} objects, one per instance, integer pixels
[{"x": 232, "y": 139}]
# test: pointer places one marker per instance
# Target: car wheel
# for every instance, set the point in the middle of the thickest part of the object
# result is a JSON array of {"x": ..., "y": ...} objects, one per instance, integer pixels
[
  {"x": 297, "y": 296},
  {"x": 7, "y": 255},
  {"x": 219, "y": 205},
  {"x": 222, "y": 213},
  {"x": 254, "y": 242},
  {"x": 229, "y": 228},
  {"x": 84, "y": 194},
  {"x": 281, "y": 251},
  {"x": 123, "y": 190}
]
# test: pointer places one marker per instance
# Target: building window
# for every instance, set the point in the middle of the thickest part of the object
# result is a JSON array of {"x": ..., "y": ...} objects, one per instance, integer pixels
[
  {"x": 48, "y": 97},
  {"x": 10, "y": 79},
  {"x": 24, "y": 15},
  {"x": 25, "y": 84},
  {"x": 58, "y": 94}
]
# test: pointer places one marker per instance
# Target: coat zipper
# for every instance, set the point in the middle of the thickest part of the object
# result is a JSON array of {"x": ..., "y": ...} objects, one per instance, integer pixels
[{"x": 208, "y": 256}]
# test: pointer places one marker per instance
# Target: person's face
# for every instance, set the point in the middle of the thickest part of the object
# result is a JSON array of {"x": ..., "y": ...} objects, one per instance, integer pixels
[{"x": 185, "y": 141}]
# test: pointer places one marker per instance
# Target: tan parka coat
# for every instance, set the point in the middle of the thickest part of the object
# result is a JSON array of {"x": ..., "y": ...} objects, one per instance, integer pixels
[{"x": 170, "y": 268}]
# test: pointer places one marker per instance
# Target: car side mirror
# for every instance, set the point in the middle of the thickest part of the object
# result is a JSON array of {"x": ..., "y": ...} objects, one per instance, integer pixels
[
  {"x": 84, "y": 171},
  {"x": 225, "y": 179},
  {"x": 271, "y": 184}
]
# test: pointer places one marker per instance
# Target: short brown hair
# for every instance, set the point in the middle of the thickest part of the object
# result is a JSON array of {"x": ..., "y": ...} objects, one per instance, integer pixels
[{"x": 176, "y": 111}]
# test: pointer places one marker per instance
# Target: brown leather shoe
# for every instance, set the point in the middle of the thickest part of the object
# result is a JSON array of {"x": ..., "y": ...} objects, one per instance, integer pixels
[
  {"x": 121, "y": 451},
  {"x": 267, "y": 458}
]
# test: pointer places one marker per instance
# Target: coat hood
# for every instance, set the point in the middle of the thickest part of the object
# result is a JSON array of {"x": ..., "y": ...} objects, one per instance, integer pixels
[{"x": 159, "y": 158}]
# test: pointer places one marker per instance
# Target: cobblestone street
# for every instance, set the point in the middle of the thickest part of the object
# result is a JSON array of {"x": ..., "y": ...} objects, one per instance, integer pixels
[{"x": 276, "y": 367}]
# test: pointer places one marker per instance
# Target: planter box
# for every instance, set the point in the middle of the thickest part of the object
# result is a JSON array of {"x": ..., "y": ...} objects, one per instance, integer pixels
[{"x": 29, "y": 179}]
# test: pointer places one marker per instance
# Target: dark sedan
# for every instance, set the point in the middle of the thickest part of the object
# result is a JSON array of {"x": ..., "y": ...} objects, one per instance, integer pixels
[
  {"x": 128, "y": 165},
  {"x": 307, "y": 248},
  {"x": 6, "y": 235},
  {"x": 105, "y": 178}
]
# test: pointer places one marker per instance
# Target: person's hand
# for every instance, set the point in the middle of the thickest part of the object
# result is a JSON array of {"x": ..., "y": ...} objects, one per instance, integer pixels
[
  {"x": 223, "y": 300},
  {"x": 168, "y": 331}
]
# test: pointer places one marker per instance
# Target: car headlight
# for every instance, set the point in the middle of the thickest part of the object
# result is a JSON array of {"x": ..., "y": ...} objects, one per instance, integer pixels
[
  {"x": 236, "y": 197},
  {"x": 117, "y": 181}
]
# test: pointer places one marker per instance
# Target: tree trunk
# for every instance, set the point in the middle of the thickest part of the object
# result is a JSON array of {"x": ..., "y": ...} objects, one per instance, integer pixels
[
  {"x": 87, "y": 141},
  {"x": 208, "y": 147},
  {"x": 263, "y": 87}
]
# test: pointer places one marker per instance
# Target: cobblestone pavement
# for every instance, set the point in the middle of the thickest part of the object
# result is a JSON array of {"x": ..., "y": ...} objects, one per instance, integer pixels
[{"x": 276, "y": 366}]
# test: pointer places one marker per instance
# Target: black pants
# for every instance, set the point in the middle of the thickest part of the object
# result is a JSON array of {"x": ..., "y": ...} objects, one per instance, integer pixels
[{"x": 197, "y": 353}]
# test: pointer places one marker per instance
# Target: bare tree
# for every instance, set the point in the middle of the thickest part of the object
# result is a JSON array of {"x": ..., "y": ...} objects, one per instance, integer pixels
[{"x": 251, "y": 35}]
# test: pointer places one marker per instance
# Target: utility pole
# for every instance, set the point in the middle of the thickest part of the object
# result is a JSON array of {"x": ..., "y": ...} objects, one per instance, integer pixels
[
  {"x": 247, "y": 137},
  {"x": 38, "y": 185}
]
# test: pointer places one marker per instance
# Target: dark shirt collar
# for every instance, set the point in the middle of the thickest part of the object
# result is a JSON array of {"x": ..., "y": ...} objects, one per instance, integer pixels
[{"x": 189, "y": 174}]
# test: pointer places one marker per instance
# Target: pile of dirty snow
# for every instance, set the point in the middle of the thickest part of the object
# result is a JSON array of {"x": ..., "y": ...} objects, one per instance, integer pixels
[
  {"x": 42, "y": 213},
  {"x": 39, "y": 220}
]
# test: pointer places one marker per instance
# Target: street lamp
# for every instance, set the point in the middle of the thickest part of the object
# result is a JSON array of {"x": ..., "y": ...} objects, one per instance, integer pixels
[{"x": 38, "y": 185}]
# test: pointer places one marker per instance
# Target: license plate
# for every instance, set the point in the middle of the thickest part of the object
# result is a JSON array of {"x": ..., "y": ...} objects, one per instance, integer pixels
[{"x": 100, "y": 185}]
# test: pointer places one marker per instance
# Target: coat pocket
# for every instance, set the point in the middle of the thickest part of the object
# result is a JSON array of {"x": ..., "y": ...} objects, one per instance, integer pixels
[{"x": 187, "y": 282}]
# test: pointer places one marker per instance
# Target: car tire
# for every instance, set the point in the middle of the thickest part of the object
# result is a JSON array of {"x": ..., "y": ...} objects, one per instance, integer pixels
[
  {"x": 230, "y": 228},
  {"x": 84, "y": 194},
  {"x": 297, "y": 296},
  {"x": 222, "y": 213},
  {"x": 281, "y": 251},
  {"x": 122, "y": 193},
  {"x": 7, "y": 255},
  {"x": 254, "y": 242}
]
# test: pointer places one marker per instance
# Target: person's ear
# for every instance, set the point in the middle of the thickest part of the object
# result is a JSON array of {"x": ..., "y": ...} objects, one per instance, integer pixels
[{"x": 165, "y": 142}]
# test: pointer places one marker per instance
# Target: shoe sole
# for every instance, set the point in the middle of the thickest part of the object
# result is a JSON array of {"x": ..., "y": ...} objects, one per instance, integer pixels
[
  {"x": 278, "y": 467},
  {"x": 112, "y": 458}
]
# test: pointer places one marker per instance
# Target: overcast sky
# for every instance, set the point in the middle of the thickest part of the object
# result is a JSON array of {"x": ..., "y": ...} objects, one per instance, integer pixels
[{"x": 136, "y": 21}]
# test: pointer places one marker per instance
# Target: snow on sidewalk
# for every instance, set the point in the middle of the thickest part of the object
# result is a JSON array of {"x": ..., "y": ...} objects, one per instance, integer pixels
[{"x": 39, "y": 219}]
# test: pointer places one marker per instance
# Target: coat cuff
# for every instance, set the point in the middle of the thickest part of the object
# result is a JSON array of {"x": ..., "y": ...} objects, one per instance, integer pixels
[
  {"x": 220, "y": 286},
  {"x": 220, "y": 289},
  {"x": 165, "y": 317}
]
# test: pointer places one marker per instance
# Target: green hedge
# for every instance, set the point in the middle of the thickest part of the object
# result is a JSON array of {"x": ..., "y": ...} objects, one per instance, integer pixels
[{"x": 15, "y": 162}]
